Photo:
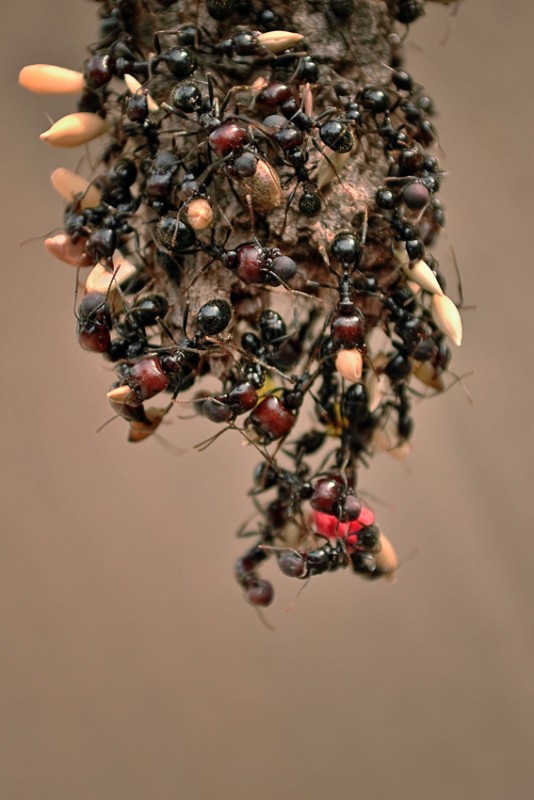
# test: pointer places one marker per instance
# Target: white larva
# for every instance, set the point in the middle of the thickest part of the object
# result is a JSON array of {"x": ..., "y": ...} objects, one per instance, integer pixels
[
  {"x": 422, "y": 275},
  {"x": 278, "y": 41},
  {"x": 75, "y": 129},
  {"x": 447, "y": 317},
  {"x": 386, "y": 559},
  {"x": 70, "y": 186},
  {"x": 101, "y": 280},
  {"x": 62, "y": 247},
  {"x": 49, "y": 79},
  {"x": 134, "y": 87},
  {"x": 349, "y": 364}
]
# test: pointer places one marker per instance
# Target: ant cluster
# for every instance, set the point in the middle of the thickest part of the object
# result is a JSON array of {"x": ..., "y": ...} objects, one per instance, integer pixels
[{"x": 262, "y": 214}]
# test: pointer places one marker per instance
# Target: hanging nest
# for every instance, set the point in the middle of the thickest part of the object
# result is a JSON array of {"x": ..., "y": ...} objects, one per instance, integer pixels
[{"x": 262, "y": 212}]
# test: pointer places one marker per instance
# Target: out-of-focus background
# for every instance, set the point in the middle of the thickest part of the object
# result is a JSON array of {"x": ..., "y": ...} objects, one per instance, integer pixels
[{"x": 130, "y": 666}]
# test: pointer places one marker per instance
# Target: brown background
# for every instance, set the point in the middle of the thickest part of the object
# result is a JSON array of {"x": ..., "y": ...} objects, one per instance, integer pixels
[{"x": 130, "y": 667}]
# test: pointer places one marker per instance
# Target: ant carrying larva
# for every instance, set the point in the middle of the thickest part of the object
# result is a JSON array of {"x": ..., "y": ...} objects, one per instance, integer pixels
[{"x": 262, "y": 216}]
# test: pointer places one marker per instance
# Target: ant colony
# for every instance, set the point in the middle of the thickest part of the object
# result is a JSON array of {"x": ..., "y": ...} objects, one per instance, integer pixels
[{"x": 262, "y": 212}]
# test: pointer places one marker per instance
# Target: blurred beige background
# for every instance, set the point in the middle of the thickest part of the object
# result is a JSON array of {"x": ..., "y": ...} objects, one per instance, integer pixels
[{"x": 130, "y": 667}]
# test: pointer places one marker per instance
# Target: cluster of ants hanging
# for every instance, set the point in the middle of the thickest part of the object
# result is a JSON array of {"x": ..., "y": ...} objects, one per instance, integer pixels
[{"x": 262, "y": 213}]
